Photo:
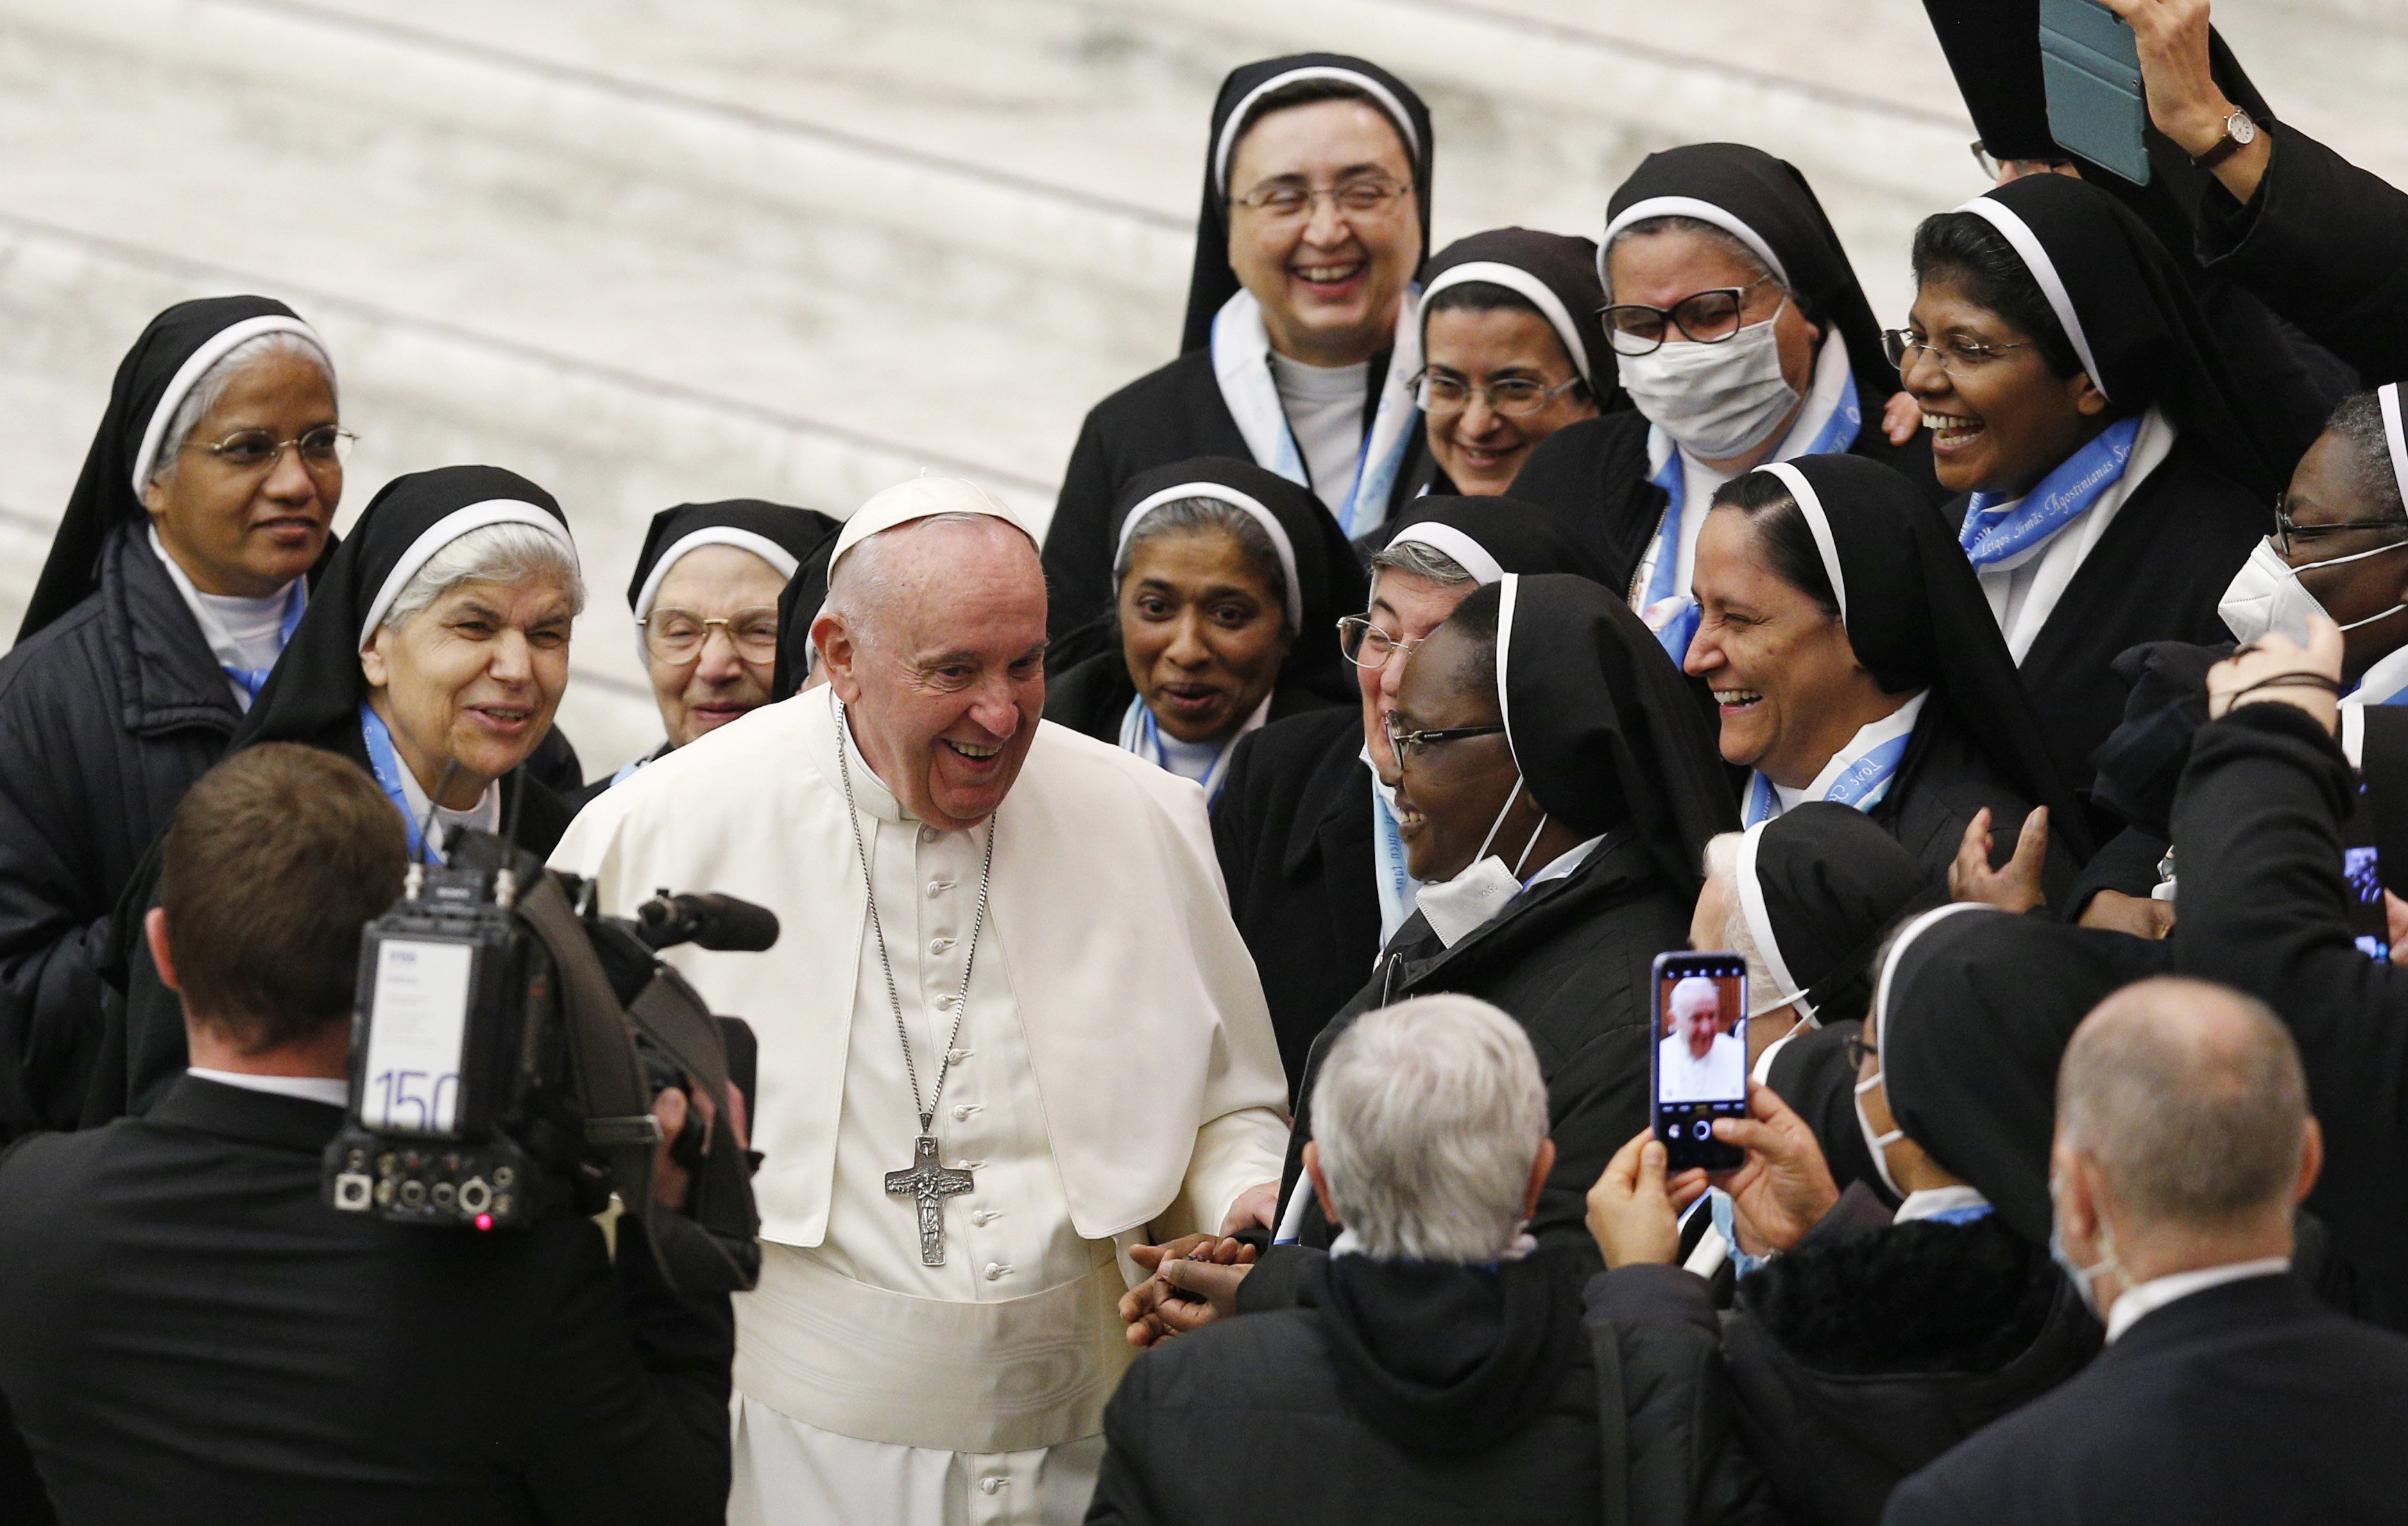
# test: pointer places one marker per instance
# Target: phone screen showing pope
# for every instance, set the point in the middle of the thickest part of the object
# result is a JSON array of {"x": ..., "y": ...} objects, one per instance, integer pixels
[{"x": 1699, "y": 1066}]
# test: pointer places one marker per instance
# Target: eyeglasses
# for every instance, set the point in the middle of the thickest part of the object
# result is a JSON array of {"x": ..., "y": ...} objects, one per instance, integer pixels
[
  {"x": 676, "y": 636},
  {"x": 1366, "y": 645},
  {"x": 1708, "y": 317},
  {"x": 1993, "y": 167},
  {"x": 258, "y": 451},
  {"x": 1284, "y": 201},
  {"x": 1857, "y": 1050},
  {"x": 1442, "y": 395},
  {"x": 2287, "y": 533},
  {"x": 1403, "y": 743},
  {"x": 1903, "y": 345}
]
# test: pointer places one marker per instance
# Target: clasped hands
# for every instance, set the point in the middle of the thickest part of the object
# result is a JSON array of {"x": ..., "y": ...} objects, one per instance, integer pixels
[
  {"x": 1194, "y": 1279},
  {"x": 1782, "y": 1190}
]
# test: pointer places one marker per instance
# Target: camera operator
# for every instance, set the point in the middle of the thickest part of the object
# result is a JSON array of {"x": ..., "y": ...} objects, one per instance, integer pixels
[{"x": 187, "y": 1331}]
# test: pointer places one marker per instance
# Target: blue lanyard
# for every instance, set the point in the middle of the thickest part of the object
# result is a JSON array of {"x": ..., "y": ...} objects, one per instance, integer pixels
[
  {"x": 1396, "y": 884},
  {"x": 1862, "y": 786},
  {"x": 1992, "y": 534},
  {"x": 1970, "y": 1213},
  {"x": 252, "y": 679},
  {"x": 1675, "y": 624},
  {"x": 387, "y": 769}
]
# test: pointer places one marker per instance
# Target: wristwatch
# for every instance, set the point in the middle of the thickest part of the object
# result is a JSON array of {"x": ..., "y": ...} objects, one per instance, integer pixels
[{"x": 2240, "y": 131}]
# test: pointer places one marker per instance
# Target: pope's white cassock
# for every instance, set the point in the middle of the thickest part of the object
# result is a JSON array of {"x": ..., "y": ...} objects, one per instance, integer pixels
[{"x": 1115, "y": 1083}]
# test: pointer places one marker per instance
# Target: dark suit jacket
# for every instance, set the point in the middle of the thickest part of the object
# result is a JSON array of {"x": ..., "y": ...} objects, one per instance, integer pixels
[
  {"x": 2248, "y": 1402},
  {"x": 187, "y": 1333}
]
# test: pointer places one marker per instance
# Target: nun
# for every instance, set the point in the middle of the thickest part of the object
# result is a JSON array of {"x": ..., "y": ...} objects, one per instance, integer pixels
[
  {"x": 1556, "y": 790},
  {"x": 1805, "y": 897},
  {"x": 2077, "y": 403},
  {"x": 1306, "y": 823},
  {"x": 1512, "y": 351},
  {"x": 706, "y": 596},
  {"x": 1740, "y": 336},
  {"x": 1229, "y": 582},
  {"x": 1301, "y": 345},
  {"x": 1852, "y": 659},
  {"x": 798, "y": 606},
  {"x": 179, "y": 572},
  {"x": 433, "y": 655},
  {"x": 1883, "y": 1337}
]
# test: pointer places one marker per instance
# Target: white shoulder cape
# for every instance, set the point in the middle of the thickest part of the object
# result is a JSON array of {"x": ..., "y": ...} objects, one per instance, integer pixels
[{"x": 1142, "y": 1010}]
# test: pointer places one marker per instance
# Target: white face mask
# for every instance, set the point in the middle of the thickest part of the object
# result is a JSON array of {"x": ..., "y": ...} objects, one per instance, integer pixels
[
  {"x": 1878, "y": 1143},
  {"x": 2266, "y": 595},
  {"x": 2085, "y": 1278},
  {"x": 1715, "y": 399},
  {"x": 1455, "y": 907}
]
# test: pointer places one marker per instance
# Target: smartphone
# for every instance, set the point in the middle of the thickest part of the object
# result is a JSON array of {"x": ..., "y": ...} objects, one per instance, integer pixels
[
  {"x": 2090, "y": 68},
  {"x": 2361, "y": 873},
  {"x": 1698, "y": 1066}
]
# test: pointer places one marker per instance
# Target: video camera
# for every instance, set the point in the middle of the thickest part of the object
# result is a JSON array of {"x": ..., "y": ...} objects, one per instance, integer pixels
[{"x": 507, "y": 1042}]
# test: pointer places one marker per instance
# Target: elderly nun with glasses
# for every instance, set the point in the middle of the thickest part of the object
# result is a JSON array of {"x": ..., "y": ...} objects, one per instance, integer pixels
[{"x": 179, "y": 570}]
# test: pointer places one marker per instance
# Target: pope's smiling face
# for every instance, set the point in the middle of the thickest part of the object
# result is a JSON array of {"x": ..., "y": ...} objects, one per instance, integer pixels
[{"x": 935, "y": 641}]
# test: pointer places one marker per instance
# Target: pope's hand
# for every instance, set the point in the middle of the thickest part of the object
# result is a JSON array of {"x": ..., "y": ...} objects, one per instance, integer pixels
[
  {"x": 1258, "y": 1206},
  {"x": 1195, "y": 1282}
]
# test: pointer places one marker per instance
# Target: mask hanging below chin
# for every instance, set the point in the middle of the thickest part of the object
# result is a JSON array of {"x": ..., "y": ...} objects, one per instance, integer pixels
[
  {"x": 1454, "y": 908},
  {"x": 2266, "y": 595}
]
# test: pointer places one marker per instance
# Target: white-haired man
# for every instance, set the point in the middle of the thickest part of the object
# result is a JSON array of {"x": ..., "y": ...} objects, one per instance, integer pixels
[
  {"x": 1002, "y": 1039},
  {"x": 1696, "y": 1061}
]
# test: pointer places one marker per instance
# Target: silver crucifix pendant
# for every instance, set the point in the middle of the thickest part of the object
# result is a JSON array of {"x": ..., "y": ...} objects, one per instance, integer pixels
[{"x": 930, "y": 1182}]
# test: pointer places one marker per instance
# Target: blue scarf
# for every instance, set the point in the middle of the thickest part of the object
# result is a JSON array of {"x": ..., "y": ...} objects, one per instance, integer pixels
[
  {"x": 1995, "y": 533},
  {"x": 386, "y": 766},
  {"x": 1862, "y": 786},
  {"x": 1141, "y": 734},
  {"x": 1669, "y": 610},
  {"x": 1395, "y": 881},
  {"x": 1241, "y": 368},
  {"x": 252, "y": 679}
]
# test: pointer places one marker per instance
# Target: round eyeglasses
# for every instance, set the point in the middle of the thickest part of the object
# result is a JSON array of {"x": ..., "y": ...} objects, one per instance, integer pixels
[
  {"x": 251, "y": 450},
  {"x": 677, "y": 637},
  {"x": 1442, "y": 394}
]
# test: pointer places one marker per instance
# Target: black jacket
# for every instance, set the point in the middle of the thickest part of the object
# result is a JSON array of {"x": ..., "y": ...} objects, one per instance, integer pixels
[
  {"x": 1168, "y": 415},
  {"x": 2245, "y": 1403},
  {"x": 2262, "y": 906},
  {"x": 1570, "y": 961},
  {"x": 1593, "y": 475},
  {"x": 1408, "y": 1392},
  {"x": 1293, "y": 827},
  {"x": 188, "y": 1334},
  {"x": 1870, "y": 1350},
  {"x": 108, "y": 715},
  {"x": 2323, "y": 243},
  {"x": 2180, "y": 537}
]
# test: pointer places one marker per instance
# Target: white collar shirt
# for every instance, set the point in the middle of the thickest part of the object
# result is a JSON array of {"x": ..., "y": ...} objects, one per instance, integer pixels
[{"x": 2156, "y": 1293}]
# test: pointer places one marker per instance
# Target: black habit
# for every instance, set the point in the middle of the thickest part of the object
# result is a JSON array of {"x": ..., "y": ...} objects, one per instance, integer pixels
[
  {"x": 1176, "y": 412},
  {"x": 314, "y": 697},
  {"x": 1093, "y": 693},
  {"x": 1916, "y": 618},
  {"x": 749, "y": 523},
  {"x": 1611, "y": 740},
  {"x": 1293, "y": 821},
  {"x": 1593, "y": 475},
  {"x": 2183, "y": 530},
  {"x": 112, "y": 704}
]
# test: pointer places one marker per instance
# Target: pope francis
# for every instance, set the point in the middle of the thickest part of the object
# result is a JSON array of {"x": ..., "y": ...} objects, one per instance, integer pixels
[{"x": 1008, "y": 1033}]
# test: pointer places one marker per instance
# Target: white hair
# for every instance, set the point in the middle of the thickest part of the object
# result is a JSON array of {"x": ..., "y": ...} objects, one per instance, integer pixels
[
  {"x": 1722, "y": 863},
  {"x": 1427, "y": 1116},
  {"x": 861, "y": 581},
  {"x": 1690, "y": 987},
  {"x": 211, "y": 389},
  {"x": 491, "y": 553}
]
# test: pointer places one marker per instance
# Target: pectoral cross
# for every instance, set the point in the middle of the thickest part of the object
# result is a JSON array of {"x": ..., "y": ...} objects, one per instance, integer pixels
[{"x": 930, "y": 1181}]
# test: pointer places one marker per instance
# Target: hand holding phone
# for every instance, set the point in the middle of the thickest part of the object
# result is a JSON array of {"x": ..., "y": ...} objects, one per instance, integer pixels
[
  {"x": 1699, "y": 1068},
  {"x": 1785, "y": 1186}
]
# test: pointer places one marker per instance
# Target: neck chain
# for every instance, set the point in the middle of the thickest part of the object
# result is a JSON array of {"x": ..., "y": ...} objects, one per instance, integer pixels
[{"x": 962, "y": 998}]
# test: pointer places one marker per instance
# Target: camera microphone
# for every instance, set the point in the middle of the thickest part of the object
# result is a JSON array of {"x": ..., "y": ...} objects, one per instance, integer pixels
[{"x": 707, "y": 921}]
